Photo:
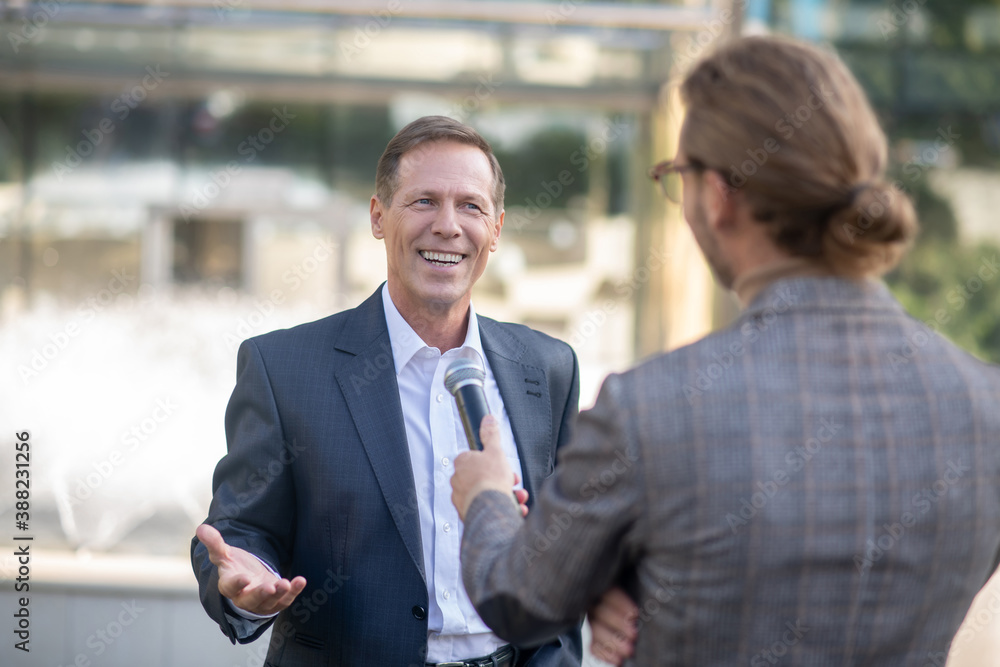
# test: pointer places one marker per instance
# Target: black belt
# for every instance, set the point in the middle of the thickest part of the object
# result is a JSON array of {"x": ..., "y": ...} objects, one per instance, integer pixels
[{"x": 505, "y": 656}]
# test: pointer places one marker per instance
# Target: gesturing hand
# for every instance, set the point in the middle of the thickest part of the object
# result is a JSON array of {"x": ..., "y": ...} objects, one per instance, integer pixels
[{"x": 244, "y": 579}]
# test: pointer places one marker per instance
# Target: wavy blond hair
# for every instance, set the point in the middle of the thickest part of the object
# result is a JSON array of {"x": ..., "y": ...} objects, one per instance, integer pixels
[{"x": 789, "y": 127}]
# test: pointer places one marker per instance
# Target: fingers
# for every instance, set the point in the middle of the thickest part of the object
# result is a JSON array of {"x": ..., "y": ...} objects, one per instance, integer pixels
[
  {"x": 237, "y": 586},
  {"x": 298, "y": 584},
  {"x": 269, "y": 597},
  {"x": 521, "y": 496},
  {"x": 212, "y": 539},
  {"x": 284, "y": 594},
  {"x": 489, "y": 433},
  {"x": 476, "y": 472},
  {"x": 244, "y": 579},
  {"x": 232, "y": 577},
  {"x": 295, "y": 586},
  {"x": 259, "y": 598},
  {"x": 607, "y": 644},
  {"x": 605, "y": 648},
  {"x": 619, "y": 609},
  {"x": 612, "y": 623}
]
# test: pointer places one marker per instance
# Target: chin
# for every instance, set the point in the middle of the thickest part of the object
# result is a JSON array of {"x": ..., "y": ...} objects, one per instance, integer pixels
[{"x": 443, "y": 295}]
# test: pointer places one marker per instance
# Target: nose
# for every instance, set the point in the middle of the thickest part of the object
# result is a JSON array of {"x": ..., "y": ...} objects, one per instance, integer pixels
[{"x": 446, "y": 223}]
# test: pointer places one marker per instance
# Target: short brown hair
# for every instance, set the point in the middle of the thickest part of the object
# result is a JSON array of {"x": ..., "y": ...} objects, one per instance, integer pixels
[
  {"x": 423, "y": 130},
  {"x": 789, "y": 127}
]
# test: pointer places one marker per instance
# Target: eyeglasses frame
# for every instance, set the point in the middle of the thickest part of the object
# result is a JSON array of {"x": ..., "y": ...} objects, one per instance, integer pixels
[{"x": 661, "y": 170}]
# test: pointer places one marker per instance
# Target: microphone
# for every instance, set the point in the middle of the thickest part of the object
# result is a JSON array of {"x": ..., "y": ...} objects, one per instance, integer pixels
[{"x": 464, "y": 380}]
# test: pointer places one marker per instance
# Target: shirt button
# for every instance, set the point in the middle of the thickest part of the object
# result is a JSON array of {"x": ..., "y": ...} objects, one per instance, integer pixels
[
  {"x": 445, "y": 461},
  {"x": 446, "y": 595},
  {"x": 447, "y": 527},
  {"x": 440, "y": 397}
]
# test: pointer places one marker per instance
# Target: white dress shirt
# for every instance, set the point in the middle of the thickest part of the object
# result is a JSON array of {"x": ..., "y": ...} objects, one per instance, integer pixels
[{"x": 435, "y": 436}]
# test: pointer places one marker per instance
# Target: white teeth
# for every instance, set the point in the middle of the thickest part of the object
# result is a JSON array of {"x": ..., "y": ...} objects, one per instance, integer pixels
[{"x": 440, "y": 257}]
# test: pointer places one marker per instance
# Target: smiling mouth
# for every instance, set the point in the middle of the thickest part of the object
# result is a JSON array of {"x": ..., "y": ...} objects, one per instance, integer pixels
[{"x": 441, "y": 258}]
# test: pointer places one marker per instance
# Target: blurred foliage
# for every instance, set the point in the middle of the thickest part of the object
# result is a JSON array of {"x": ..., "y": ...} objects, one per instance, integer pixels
[
  {"x": 945, "y": 86},
  {"x": 948, "y": 19},
  {"x": 952, "y": 287},
  {"x": 956, "y": 290},
  {"x": 336, "y": 143},
  {"x": 538, "y": 161}
]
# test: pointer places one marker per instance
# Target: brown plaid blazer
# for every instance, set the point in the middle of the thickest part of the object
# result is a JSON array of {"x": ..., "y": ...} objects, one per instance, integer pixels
[{"x": 818, "y": 484}]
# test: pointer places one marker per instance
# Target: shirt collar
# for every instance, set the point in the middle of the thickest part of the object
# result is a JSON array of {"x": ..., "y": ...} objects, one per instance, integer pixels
[{"x": 406, "y": 343}]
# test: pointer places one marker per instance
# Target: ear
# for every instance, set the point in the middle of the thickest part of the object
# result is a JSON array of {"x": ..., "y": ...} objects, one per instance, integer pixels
[
  {"x": 375, "y": 212},
  {"x": 721, "y": 201},
  {"x": 496, "y": 231}
]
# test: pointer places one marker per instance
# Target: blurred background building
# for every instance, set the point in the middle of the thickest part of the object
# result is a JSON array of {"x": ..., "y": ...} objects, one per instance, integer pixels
[{"x": 178, "y": 175}]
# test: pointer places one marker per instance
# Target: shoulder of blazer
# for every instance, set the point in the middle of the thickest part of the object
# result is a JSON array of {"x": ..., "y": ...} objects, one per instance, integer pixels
[
  {"x": 350, "y": 330},
  {"x": 523, "y": 344},
  {"x": 525, "y": 348}
]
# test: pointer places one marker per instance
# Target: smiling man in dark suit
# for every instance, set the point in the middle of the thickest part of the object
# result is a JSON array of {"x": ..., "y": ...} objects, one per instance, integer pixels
[{"x": 332, "y": 508}]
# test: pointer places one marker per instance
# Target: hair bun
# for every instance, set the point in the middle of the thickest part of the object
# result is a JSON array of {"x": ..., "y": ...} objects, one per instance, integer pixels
[
  {"x": 873, "y": 231},
  {"x": 856, "y": 191}
]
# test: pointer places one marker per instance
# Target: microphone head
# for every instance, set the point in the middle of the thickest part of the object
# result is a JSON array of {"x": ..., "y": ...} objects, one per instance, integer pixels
[{"x": 463, "y": 372}]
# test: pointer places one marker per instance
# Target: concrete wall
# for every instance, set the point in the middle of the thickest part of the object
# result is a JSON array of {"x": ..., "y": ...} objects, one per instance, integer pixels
[{"x": 116, "y": 612}]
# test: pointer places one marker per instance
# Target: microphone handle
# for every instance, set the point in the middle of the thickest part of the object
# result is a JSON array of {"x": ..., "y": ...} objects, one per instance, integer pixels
[{"x": 472, "y": 406}]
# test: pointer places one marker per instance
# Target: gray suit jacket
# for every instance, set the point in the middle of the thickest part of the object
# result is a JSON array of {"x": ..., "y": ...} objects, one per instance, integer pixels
[
  {"x": 818, "y": 484},
  {"x": 317, "y": 481}
]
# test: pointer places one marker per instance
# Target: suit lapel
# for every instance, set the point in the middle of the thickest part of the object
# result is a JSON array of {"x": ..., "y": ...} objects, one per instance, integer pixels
[
  {"x": 368, "y": 382},
  {"x": 525, "y": 393}
]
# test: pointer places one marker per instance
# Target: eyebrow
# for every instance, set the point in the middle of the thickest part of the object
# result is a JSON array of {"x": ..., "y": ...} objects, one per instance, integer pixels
[{"x": 466, "y": 195}]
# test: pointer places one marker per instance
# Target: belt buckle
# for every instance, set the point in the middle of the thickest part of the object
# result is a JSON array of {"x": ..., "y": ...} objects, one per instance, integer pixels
[{"x": 460, "y": 663}]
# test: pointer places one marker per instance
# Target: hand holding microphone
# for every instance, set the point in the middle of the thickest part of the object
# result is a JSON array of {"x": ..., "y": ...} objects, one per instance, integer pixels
[{"x": 485, "y": 466}]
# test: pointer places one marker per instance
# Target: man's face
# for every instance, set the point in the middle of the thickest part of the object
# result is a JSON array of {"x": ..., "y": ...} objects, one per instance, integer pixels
[
  {"x": 439, "y": 227},
  {"x": 696, "y": 193}
]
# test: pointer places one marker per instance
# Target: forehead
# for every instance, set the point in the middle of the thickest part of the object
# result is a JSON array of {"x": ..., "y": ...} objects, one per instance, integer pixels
[{"x": 445, "y": 164}]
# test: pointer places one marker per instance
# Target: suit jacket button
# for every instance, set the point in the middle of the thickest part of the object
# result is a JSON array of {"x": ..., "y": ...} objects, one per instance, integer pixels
[{"x": 419, "y": 612}]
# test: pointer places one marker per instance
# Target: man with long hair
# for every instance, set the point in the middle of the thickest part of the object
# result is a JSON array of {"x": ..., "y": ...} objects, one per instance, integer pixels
[{"x": 816, "y": 484}]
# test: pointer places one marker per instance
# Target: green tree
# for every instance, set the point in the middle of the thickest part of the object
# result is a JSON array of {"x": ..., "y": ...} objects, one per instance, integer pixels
[
  {"x": 952, "y": 287},
  {"x": 949, "y": 81}
]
